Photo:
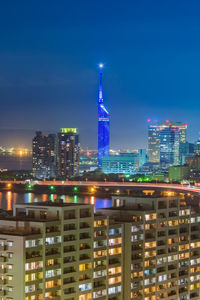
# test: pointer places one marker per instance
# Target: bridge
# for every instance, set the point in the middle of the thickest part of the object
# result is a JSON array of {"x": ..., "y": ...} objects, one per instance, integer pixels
[{"x": 106, "y": 184}]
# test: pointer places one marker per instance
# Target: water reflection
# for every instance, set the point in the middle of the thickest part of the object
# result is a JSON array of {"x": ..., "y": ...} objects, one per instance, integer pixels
[
  {"x": 92, "y": 200},
  {"x": 75, "y": 199},
  {"x": 29, "y": 198},
  {"x": 0, "y": 198},
  {"x": 44, "y": 197},
  {"x": 7, "y": 199},
  {"x": 14, "y": 198}
]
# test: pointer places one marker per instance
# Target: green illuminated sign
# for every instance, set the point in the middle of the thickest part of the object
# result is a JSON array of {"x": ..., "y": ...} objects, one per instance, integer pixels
[{"x": 68, "y": 130}]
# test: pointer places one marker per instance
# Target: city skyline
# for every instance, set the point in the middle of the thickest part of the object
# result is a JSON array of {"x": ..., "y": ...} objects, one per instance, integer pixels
[
  {"x": 99, "y": 150},
  {"x": 151, "y": 61}
]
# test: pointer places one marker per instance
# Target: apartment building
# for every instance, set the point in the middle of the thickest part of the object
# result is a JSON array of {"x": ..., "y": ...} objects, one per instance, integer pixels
[
  {"x": 58, "y": 251},
  {"x": 161, "y": 246},
  {"x": 140, "y": 248}
]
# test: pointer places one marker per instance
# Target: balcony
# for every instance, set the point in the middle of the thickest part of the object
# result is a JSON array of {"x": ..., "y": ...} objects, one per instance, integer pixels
[
  {"x": 69, "y": 215},
  {"x": 3, "y": 248},
  {"x": 84, "y": 257},
  {"x": 2, "y": 292},
  {"x": 69, "y": 281},
  {"x": 84, "y": 213},
  {"x": 70, "y": 291},
  {"x": 52, "y": 252},
  {"x": 84, "y": 225},
  {"x": 69, "y": 259},
  {"x": 69, "y": 270},
  {"x": 84, "y": 247},
  {"x": 33, "y": 255},
  {"x": 69, "y": 227},
  {"x": 54, "y": 230},
  {"x": 99, "y": 285},
  {"x": 3, "y": 259},
  {"x": 84, "y": 236},
  {"x": 53, "y": 266},
  {"x": 69, "y": 238}
]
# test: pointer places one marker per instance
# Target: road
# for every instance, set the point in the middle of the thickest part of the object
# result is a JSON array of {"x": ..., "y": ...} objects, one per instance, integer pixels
[{"x": 119, "y": 185}]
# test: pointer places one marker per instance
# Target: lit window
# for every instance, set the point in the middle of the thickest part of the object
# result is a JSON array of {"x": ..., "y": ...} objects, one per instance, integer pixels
[
  {"x": 10, "y": 267},
  {"x": 10, "y": 244}
]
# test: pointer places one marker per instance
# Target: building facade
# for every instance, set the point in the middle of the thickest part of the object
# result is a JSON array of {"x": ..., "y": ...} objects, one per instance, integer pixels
[
  {"x": 142, "y": 157},
  {"x": 154, "y": 142},
  {"x": 60, "y": 251},
  {"x": 126, "y": 163},
  {"x": 164, "y": 142},
  {"x": 103, "y": 125},
  {"x": 140, "y": 248},
  {"x": 169, "y": 146},
  {"x": 178, "y": 173},
  {"x": 68, "y": 152},
  {"x": 162, "y": 243},
  {"x": 44, "y": 155}
]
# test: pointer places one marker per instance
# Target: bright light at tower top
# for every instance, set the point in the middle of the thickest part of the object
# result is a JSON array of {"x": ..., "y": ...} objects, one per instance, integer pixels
[{"x": 100, "y": 66}]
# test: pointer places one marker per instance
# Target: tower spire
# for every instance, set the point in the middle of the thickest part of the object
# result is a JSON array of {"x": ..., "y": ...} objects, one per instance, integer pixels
[{"x": 100, "y": 84}]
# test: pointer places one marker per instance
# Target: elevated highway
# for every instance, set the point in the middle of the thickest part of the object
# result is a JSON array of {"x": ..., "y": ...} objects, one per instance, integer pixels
[{"x": 107, "y": 184}]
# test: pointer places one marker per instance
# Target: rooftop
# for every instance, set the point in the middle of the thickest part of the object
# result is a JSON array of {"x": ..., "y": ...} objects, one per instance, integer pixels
[
  {"x": 56, "y": 203},
  {"x": 133, "y": 207}
]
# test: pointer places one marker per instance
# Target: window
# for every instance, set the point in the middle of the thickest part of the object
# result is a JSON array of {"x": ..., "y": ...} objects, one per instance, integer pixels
[
  {"x": 114, "y": 290},
  {"x": 43, "y": 214},
  {"x": 85, "y": 287},
  {"x": 10, "y": 267},
  {"x": 10, "y": 278},
  {"x": 10, "y": 255},
  {"x": 10, "y": 243}
]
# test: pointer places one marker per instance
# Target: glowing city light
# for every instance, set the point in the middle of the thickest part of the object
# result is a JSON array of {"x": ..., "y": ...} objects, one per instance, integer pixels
[
  {"x": 69, "y": 130},
  {"x": 29, "y": 187},
  {"x": 75, "y": 189}
]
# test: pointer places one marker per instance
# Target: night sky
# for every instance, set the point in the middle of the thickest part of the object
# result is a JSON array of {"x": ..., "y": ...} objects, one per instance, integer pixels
[{"x": 49, "y": 55}]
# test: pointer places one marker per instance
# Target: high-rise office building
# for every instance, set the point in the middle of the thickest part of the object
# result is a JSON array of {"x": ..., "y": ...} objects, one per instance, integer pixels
[
  {"x": 140, "y": 248},
  {"x": 165, "y": 140},
  {"x": 68, "y": 152},
  {"x": 154, "y": 142},
  {"x": 44, "y": 155},
  {"x": 142, "y": 157},
  {"x": 169, "y": 146},
  {"x": 103, "y": 125}
]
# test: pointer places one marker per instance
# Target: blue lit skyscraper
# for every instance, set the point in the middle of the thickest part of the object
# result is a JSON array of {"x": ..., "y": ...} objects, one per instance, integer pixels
[{"x": 103, "y": 125}]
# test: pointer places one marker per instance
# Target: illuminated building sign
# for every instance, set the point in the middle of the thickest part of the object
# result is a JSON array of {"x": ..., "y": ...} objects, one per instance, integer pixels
[{"x": 68, "y": 130}]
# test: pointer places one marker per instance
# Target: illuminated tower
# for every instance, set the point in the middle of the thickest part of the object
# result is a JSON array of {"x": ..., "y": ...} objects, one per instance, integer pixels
[{"x": 103, "y": 125}]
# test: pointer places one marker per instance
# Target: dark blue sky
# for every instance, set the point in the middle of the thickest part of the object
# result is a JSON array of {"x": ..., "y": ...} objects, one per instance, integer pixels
[{"x": 49, "y": 51}]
